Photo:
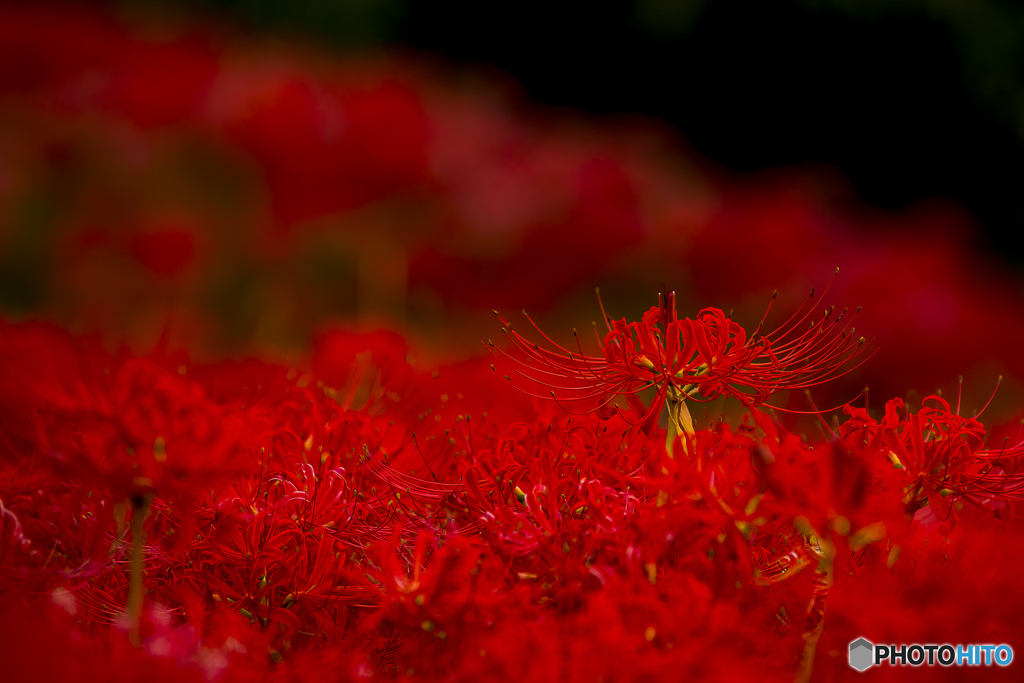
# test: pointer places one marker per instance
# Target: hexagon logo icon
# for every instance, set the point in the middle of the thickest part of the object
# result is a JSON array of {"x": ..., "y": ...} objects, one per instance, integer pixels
[{"x": 861, "y": 654}]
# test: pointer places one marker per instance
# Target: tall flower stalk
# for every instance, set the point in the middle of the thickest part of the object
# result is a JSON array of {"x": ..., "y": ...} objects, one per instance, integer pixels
[{"x": 136, "y": 567}]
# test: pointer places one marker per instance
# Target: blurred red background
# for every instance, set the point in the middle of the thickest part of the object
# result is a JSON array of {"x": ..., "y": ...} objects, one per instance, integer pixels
[{"x": 243, "y": 192}]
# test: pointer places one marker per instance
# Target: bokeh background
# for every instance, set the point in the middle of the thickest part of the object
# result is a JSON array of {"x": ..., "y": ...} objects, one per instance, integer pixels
[{"x": 240, "y": 175}]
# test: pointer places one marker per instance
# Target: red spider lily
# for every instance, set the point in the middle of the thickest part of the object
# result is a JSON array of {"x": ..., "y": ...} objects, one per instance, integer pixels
[
  {"x": 944, "y": 462},
  {"x": 125, "y": 424},
  {"x": 699, "y": 359},
  {"x": 375, "y": 529}
]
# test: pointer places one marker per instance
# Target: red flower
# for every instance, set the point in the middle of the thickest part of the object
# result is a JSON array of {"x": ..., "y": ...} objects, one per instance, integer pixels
[
  {"x": 945, "y": 463},
  {"x": 126, "y": 425},
  {"x": 698, "y": 359}
]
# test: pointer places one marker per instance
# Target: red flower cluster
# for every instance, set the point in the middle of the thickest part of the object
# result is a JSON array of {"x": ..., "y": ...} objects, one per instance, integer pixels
[
  {"x": 358, "y": 516},
  {"x": 361, "y": 518},
  {"x": 127, "y": 426}
]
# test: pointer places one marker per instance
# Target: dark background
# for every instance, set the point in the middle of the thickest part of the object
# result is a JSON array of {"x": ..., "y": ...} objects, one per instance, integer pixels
[{"x": 911, "y": 99}]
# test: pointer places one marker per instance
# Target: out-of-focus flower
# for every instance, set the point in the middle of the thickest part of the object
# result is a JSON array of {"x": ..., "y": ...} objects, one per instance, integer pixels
[
  {"x": 165, "y": 252},
  {"x": 126, "y": 425},
  {"x": 943, "y": 461}
]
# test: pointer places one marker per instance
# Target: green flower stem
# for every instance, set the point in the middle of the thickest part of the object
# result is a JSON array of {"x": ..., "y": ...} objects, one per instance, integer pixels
[
  {"x": 680, "y": 423},
  {"x": 136, "y": 568}
]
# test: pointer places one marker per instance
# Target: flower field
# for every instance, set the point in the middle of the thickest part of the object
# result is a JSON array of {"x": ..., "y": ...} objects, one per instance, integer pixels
[{"x": 258, "y": 420}]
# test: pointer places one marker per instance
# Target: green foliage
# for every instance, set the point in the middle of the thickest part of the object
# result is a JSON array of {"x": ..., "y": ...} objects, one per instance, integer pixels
[{"x": 338, "y": 23}]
